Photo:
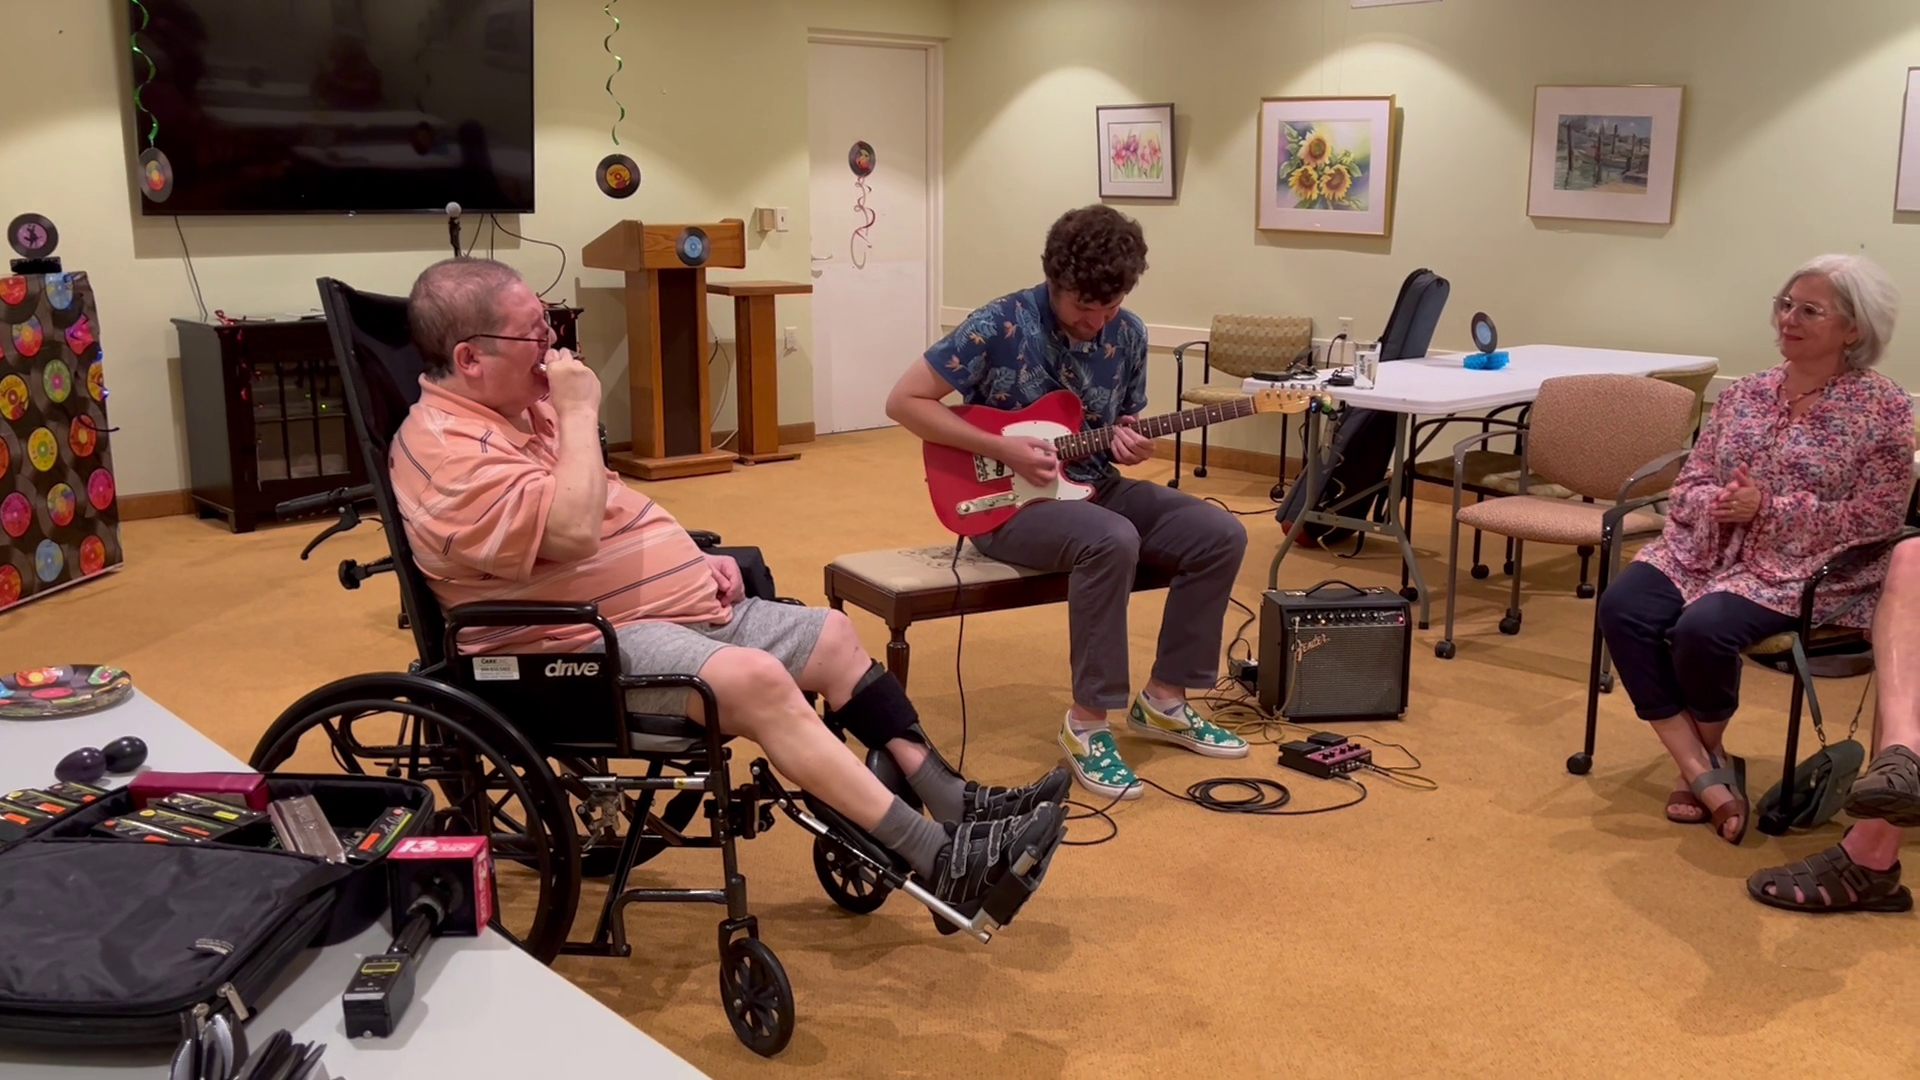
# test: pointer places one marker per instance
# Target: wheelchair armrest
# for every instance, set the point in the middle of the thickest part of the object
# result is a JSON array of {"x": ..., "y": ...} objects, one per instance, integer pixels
[
  {"x": 704, "y": 539},
  {"x": 526, "y": 613}
]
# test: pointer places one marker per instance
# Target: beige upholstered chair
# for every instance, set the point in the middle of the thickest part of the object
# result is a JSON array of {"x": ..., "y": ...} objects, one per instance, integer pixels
[
  {"x": 1238, "y": 346},
  {"x": 1608, "y": 437},
  {"x": 1492, "y": 473}
]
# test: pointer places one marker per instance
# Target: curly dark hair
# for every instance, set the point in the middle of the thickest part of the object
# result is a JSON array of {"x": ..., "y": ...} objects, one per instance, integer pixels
[{"x": 1095, "y": 251}]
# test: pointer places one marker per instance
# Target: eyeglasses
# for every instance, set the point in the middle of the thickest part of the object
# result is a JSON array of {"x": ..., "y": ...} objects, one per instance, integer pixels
[
  {"x": 545, "y": 341},
  {"x": 1807, "y": 313}
]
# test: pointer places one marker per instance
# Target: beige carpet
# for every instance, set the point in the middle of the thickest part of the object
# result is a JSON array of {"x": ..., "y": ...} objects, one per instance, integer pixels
[{"x": 1517, "y": 922}]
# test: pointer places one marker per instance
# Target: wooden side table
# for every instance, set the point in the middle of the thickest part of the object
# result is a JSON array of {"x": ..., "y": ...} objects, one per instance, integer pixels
[{"x": 757, "y": 347}]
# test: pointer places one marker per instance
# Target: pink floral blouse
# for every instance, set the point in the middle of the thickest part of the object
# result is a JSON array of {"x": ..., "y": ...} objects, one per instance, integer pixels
[{"x": 1838, "y": 476}]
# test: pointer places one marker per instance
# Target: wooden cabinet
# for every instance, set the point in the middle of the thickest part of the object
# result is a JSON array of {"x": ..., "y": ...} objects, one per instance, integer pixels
[{"x": 266, "y": 417}]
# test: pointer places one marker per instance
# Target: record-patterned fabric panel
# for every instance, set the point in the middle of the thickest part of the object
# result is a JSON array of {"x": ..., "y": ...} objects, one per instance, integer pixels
[{"x": 59, "y": 507}]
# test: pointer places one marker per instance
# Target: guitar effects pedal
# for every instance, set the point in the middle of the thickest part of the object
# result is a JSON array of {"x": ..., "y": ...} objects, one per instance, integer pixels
[{"x": 1322, "y": 757}]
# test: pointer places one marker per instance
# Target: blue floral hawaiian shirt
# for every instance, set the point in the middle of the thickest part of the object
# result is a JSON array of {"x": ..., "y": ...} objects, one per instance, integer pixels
[{"x": 1011, "y": 353}]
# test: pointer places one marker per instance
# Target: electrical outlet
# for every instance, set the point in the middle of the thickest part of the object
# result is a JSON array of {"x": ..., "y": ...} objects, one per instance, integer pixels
[{"x": 790, "y": 343}]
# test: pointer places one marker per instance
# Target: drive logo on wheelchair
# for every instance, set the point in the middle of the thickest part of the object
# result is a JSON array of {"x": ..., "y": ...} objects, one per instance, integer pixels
[{"x": 568, "y": 667}]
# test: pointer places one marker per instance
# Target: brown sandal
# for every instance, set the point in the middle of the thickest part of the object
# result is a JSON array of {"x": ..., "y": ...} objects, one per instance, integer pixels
[
  {"x": 1849, "y": 886},
  {"x": 1733, "y": 777},
  {"x": 1889, "y": 790}
]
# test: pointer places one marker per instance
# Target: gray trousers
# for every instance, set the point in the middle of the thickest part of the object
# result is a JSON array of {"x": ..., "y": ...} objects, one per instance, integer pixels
[{"x": 1101, "y": 542}]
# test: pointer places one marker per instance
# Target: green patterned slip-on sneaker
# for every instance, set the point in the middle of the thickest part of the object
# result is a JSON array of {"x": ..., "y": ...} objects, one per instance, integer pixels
[
  {"x": 1096, "y": 764},
  {"x": 1188, "y": 730}
]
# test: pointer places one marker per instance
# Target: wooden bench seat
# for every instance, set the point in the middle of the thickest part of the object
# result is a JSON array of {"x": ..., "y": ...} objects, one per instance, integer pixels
[{"x": 903, "y": 586}]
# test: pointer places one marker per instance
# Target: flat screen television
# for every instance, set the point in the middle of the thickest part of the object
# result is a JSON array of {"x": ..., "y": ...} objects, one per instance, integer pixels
[{"x": 337, "y": 106}]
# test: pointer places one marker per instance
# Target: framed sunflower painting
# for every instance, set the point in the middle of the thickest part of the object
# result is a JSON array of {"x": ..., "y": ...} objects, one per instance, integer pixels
[{"x": 1326, "y": 165}]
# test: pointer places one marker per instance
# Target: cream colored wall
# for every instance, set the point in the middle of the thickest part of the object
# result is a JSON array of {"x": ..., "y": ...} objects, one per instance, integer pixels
[
  {"x": 1789, "y": 143},
  {"x": 715, "y": 92}
]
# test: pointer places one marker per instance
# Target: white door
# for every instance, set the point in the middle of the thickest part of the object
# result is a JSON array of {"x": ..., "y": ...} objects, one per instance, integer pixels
[{"x": 873, "y": 236}]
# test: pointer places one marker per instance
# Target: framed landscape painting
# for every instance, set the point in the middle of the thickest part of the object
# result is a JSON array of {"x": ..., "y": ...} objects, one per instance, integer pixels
[
  {"x": 1136, "y": 151},
  {"x": 1326, "y": 165},
  {"x": 1605, "y": 153}
]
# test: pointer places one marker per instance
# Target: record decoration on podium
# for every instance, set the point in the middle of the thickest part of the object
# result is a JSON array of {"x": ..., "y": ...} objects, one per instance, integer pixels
[
  {"x": 692, "y": 246},
  {"x": 617, "y": 176},
  {"x": 32, "y": 236}
]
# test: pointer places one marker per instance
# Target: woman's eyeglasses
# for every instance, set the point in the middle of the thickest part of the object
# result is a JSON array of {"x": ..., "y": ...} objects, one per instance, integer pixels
[{"x": 1784, "y": 306}]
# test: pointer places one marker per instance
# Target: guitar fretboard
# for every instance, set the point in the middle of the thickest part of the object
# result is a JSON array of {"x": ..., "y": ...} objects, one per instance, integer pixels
[{"x": 1087, "y": 443}]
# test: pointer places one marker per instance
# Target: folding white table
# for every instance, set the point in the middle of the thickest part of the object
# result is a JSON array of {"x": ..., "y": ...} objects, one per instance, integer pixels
[
  {"x": 1440, "y": 384},
  {"x": 483, "y": 1009}
]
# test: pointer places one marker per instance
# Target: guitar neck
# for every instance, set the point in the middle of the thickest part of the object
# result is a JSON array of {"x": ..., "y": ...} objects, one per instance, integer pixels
[{"x": 1082, "y": 444}]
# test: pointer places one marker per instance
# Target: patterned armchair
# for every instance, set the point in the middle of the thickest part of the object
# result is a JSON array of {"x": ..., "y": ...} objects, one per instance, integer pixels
[{"x": 1237, "y": 346}]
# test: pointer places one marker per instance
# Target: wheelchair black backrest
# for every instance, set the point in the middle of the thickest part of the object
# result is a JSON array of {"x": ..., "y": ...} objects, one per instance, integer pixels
[{"x": 373, "y": 347}]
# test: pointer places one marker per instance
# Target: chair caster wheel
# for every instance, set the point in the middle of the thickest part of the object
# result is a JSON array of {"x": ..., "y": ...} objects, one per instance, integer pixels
[
  {"x": 1174, "y": 483},
  {"x": 849, "y": 884},
  {"x": 1507, "y": 568},
  {"x": 1443, "y": 649},
  {"x": 1584, "y": 592},
  {"x": 1200, "y": 473},
  {"x": 1606, "y": 683},
  {"x": 1580, "y": 764},
  {"x": 1479, "y": 572},
  {"x": 1773, "y": 823},
  {"x": 1277, "y": 492},
  {"x": 1410, "y": 594},
  {"x": 756, "y": 995},
  {"x": 1510, "y": 625}
]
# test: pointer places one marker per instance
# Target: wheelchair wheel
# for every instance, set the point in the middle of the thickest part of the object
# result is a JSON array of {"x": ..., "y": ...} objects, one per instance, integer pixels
[
  {"x": 488, "y": 780},
  {"x": 849, "y": 884},
  {"x": 757, "y": 996}
]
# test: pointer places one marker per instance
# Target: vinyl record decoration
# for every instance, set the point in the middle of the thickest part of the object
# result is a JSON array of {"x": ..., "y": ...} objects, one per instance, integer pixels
[
  {"x": 617, "y": 175},
  {"x": 32, "y": 236},
  {"x": 692, "y": 246},
  {"x": 861, "y": 159},
  {"x": 50, "y": 693},
  {"x": 155, "y": 172},
  {"x": 1486, "y": 338}
]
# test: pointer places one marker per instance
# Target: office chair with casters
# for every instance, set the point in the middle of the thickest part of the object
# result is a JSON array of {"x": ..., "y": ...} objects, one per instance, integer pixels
[{"x": 555, "y": 759}]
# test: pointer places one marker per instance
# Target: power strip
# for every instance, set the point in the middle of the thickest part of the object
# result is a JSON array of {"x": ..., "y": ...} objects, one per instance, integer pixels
[{"x": 1321, "y": 756}]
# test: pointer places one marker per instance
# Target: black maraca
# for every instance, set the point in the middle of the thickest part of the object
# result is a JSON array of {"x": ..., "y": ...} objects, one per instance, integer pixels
[{"x": 87, "y": 764}]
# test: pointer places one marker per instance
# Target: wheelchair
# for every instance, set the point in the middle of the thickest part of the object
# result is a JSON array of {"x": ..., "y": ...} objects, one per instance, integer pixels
[{"x": 522, "y": 748}]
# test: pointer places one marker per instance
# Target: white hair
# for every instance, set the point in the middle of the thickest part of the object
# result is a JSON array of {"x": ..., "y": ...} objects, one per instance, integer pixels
[{"x": 1867, "y": 298}]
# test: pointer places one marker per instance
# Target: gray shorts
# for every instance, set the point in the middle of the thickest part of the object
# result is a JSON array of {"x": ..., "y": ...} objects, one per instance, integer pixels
[{"x": 788, "y": 631}]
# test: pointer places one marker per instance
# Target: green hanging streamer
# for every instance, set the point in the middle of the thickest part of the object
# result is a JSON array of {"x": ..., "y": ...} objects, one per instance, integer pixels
[
  {"x": 153, "y": 130},
  {"x": 618, "y": 64}
]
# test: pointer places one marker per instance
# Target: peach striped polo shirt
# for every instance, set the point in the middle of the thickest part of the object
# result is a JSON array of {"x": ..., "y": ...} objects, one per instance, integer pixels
[{"x": 474, "y": 491}]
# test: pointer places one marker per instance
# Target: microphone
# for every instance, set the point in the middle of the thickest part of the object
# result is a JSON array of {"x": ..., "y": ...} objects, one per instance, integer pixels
[{"x": 453, "y": 227}]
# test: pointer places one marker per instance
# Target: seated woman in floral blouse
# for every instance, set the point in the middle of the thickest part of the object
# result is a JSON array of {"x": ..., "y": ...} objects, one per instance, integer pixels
[{"x": 1795, "y": 463}]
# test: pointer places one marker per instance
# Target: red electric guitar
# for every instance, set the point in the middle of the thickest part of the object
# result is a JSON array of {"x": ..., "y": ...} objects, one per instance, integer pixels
[{"x": 974, "y": 494}]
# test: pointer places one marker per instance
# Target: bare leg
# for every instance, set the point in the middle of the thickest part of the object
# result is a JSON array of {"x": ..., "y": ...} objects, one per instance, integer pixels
[
  {"x": 837, "y": 665},
  {"x": 1896, "y": 661},
  {"x": 760, "y": 701}
]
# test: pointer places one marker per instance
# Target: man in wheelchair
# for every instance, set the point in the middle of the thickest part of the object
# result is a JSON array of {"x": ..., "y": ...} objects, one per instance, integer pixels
[{"x": 504, "y": 494}]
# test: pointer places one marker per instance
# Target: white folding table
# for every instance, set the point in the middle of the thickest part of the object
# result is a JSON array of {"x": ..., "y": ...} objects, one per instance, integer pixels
[
  {"x": 484, "y": 1008},
  {"x": 1440, "y": 384}
]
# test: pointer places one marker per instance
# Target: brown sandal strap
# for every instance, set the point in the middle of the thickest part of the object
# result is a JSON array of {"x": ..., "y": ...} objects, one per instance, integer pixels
[{"x": 1846, "y": 882}]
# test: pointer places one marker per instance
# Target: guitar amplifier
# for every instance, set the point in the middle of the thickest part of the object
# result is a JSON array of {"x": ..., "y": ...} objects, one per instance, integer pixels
[{"x": 1335, "y": 652}]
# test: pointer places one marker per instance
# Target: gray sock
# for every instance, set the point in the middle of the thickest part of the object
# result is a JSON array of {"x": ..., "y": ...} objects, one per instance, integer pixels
[
  {"x": 942, "y": 791},
  {"x": 916, "y": 838}
]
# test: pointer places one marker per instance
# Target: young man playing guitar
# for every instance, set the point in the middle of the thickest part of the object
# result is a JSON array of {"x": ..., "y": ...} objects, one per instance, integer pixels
[{"x": 1070, "y": 333}]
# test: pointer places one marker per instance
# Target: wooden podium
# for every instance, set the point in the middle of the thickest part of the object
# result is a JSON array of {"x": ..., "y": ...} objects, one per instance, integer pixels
[
  {"x": 666, "y": 268},
  {"x": 758, "y": 377}
]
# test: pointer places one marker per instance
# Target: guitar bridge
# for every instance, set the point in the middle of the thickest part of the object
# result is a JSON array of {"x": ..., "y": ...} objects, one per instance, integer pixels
[
  {"x": 990, "y": 502},
  {"x": 986, "y": 469}
]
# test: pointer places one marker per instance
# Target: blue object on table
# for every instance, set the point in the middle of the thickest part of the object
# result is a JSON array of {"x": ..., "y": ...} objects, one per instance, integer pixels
[{"x": 1492, "y": 361}]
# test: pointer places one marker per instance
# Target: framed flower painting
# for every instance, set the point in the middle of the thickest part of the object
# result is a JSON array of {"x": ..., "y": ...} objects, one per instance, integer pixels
[
  {"x": 1136, "y": 151},
  {"x": 1907, "y": 184},
  {"x": 1326, "y": 165}
]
